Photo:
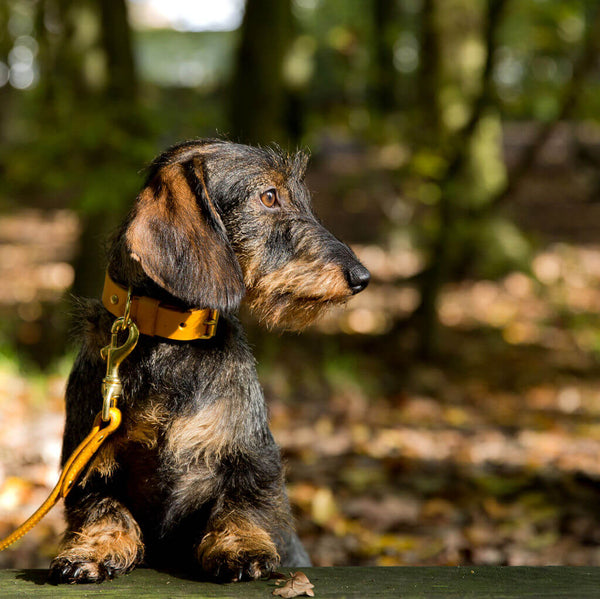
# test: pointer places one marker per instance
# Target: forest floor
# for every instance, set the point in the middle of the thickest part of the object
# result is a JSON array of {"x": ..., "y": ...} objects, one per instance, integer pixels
[{"x": 488, "y": 455}]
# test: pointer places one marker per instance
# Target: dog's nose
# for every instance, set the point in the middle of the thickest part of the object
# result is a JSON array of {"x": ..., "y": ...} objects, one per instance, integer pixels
[{"x": 358, "y": 277}]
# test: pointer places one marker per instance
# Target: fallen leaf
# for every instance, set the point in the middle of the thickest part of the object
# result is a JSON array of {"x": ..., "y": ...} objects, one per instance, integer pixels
[{"x": 295, "y": 586}]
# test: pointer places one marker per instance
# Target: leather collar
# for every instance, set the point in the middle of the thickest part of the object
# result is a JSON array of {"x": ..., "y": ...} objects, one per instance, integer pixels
[{"x": 156, "y": 319}]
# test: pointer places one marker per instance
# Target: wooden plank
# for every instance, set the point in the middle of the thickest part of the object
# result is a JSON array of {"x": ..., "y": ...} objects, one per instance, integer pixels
[{"x": 399, "y": 583}]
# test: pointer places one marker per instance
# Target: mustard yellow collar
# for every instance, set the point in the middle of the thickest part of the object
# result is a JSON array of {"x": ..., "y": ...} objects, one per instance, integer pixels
[{"x": 156, "y": 319}]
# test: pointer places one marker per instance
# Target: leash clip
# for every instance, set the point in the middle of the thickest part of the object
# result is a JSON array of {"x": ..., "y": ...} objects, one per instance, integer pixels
[{"x": 114, "y": 354}]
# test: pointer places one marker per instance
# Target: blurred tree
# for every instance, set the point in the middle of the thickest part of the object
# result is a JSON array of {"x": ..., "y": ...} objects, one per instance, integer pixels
[
  {"x": 121, "y": 118},
  {"x": 465, "y": 225},
  {"x": 6, "y": 92},
  {"x": 79, "y": 119},
  {"x": 568, "y": 101},
  {"x": 446, "y": 248},
  {"x": 428, "y": 72},
  {"x": 383, "y": 80},
  {"x": 118, "y": 49},
  {"x": 62, "y": 81},
  {"x": 258, "y": 91}
]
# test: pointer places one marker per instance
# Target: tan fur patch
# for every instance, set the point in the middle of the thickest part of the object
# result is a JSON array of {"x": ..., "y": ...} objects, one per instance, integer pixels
[
  {"x": 188, "y": 151},
  {"x": 295, "y": 295},
  {"x": 140, "y": 236},
  {"x": 152, "y": 209},
  {"x": 306, "y": 279},
  {"x": 143, "y": 428},
  {"x": 105, "y": 541},
  {"x": 196, "y": 444},
  {"x": 104, "y": 463},
  {"x": 238, "y": 544},
  {"x": 207, "y": 433}
]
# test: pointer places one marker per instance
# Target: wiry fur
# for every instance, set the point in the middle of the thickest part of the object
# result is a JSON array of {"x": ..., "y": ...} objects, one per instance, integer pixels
[{"x": 193, "y": 478}]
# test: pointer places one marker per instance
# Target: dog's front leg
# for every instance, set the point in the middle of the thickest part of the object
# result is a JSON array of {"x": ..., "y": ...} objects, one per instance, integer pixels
[
  {"x": 102, "y": 540},
  {"x": 250, "y": 514}
]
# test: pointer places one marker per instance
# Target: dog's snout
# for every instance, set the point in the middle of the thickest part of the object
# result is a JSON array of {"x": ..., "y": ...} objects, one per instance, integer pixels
[{"x": 358, "y": 277}]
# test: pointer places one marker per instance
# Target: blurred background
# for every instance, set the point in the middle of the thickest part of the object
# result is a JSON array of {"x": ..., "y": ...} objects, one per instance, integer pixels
[{"x": 450, "y": 414}]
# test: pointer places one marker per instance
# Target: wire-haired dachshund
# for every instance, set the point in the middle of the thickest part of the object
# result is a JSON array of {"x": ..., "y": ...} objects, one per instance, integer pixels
[{"x": 193, "y": 477}]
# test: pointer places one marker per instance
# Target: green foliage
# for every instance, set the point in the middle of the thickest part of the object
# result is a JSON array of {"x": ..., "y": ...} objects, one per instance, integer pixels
[
  {"x": 87, "y": 162},
  {"x": 540, "y": 41},
  {"x": 500, "y": 248}
]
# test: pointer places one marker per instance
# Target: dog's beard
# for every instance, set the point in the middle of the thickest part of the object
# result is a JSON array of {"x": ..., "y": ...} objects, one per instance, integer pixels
[
  {"x": 287, "y": 312},
  {"x": 295, "y": 295}
]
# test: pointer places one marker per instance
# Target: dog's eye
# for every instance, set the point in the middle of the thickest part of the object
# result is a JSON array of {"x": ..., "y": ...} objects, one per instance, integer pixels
[{"x": 269, "y": 198}]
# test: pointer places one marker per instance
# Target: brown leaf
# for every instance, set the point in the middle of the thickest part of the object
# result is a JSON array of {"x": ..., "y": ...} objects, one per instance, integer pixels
[{"x": 295, "y": 586}]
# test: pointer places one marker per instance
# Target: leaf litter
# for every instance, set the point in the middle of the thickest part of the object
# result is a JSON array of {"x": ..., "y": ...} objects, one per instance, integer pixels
[{"x": 296, "y": 585}]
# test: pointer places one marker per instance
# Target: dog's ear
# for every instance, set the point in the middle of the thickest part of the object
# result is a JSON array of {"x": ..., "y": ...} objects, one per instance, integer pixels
[
  {"x": 300, "y": 163},
  {"x": 178, "y": 237}
]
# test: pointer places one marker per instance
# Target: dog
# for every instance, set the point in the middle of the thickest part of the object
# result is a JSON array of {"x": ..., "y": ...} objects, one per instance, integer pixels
[{"x": 192, "y": 479}]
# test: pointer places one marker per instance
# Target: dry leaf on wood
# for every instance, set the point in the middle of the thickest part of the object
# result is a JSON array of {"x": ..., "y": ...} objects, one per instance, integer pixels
[{"x": 295, "y": 586}]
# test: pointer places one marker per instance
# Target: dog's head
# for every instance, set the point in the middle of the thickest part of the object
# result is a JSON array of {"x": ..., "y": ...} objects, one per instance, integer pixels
[{"x": 216, "y": 221}]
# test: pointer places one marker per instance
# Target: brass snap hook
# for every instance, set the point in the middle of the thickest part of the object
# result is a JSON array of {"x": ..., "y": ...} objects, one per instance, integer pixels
[{"x": 114, "y": 354}]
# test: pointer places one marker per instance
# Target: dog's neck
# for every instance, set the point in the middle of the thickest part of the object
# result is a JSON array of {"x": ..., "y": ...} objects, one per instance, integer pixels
[{"x": 155, "y": 318}]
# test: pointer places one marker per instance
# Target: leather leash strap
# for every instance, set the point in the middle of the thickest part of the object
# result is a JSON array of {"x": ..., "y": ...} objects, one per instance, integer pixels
[
  {"x": 73, "y": 467},
  {"x": 156, "y": 319},
  {"x": 106, "y": 422}
]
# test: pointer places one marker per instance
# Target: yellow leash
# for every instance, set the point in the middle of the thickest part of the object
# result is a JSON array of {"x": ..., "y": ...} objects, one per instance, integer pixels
[
  {"x": 105, "y": 423},
  {"x": 71, "y": 471}
]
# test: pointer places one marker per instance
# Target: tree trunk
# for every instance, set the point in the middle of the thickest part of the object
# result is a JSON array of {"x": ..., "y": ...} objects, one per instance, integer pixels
[
  {"x": 384, "y": 74},
  {"x": 258, "y": 94},
  {"x": 118, "y": 50},
  {"x": 444, "y": 251},
  {"x": 428, "y": 76},
  {"x": 6, "y": 92},
  {"x": 121, "y": 96},
  {"x": 441, "y": 258}
]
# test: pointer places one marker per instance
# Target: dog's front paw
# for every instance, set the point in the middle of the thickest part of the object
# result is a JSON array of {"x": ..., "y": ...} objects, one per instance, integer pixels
[
  {"x": 81, "y": 571},
  {"x": 236, "y": 554},
  {"x": 105, "y": 547}
]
